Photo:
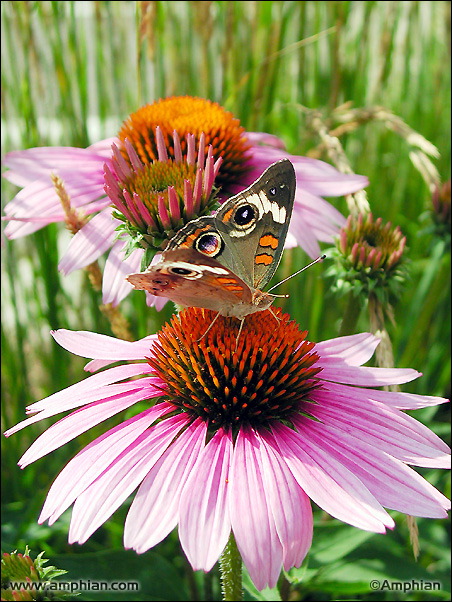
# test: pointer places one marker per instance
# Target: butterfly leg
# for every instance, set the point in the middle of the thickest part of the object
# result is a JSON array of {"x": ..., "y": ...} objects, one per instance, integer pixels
[
  {"x": 274, "y": 315},
  {"x": 238, "y": 334},
  {"x": 209, "y": 327}
]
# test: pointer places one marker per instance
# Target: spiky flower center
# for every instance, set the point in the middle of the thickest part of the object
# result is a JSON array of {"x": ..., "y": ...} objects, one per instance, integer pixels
[
  {"x": 264, "y": 372},
  {"x": 189, "y": 115},
  {"x": 155, "y": 178},
  {"x": 155, "y": 199}
]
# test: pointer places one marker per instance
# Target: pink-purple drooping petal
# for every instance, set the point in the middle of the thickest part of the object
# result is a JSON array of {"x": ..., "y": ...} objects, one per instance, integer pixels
[
  {"x": 252, "y": 520},
  {"x": 317, "y": 177},
  {"x": 329, "y": 484},
  {"x": 257, "y": 138},
  {"x": 121, "y": 397},
  {"x": 38, "y": 204},
  {"x": 394, "y": 399},
  {"x": 290, "y": 506},
  {"x": 115, "y": 287},
  {"x": 53, "y": 403},
  {"x": 93, "y": 459},
  {"x": 303, "y": 234},
  {"x": 355, "y": 349},
  {"x": 90, "y": 242},
  {"x": 161, "y": 489},
  {"x": 77, "y": 396},
  {"x": 364, "y": 376},
  {"x": 103, "y": 147},
  {"x": 309, "y": 226},
  {"x": 98, "y": 501},
  {"x": 392, "y": 483},
  {"x": 204, "y": 523},
  {"x": 37, "y": 163},
  {"x": 101, "y": 346},
  {"x": 387, "y": 428}
]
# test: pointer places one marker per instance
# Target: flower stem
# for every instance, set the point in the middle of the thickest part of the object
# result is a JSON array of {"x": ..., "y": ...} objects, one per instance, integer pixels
[
  {"x": 231, "y": 571},
  {"x": 383, "y": 354},
  {"x": 351, "y": 315}
]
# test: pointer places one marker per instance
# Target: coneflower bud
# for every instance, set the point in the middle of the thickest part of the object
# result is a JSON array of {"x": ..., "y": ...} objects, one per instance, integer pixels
[{"x": 369, "y": 256}]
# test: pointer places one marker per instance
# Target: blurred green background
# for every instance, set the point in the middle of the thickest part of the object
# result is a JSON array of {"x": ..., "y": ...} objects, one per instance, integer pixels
[{"x": 73, "y": 71}]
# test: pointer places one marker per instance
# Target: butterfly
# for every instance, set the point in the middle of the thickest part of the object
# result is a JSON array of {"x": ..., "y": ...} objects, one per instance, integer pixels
[{"x": 223, "y": 261}]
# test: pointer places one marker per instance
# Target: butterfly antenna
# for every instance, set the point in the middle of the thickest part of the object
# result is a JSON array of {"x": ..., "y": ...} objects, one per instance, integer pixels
[{"x": 320, "y": 258}]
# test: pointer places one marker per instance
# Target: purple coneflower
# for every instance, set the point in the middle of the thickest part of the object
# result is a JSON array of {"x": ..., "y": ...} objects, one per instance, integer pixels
[
  {"x": 160, "y": 133},
  {"x": 238, "y": 437}
]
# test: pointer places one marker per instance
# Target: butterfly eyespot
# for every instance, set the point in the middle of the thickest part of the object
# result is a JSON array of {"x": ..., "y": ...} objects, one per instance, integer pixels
[
  {"x": 185, "y": 272},
  {"x": 245, "y": 215},
  {"x": 182, "y": 271},
  {"x": 209, "y": 244}
]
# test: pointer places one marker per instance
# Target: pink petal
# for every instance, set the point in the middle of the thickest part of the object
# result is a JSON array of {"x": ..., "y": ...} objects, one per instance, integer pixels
[
  {"x": 40, "y": 202},
  {"x": 82, "y": 397},
  {"x": 157, "y": 302},
  {"x": 257, "y": 138},
  {"x": 392, "y": 483},
  {"x": 81, "y": 420},
  {"x": 317, "y": 177},
  {"x": 115, "y": 287},
  {"x": 320, "y": 214},
  {"x": 327, "y": 482},
  {"x": 103, "y": 147},
  {"x": 388, "y": 429},
  {"x": 60, "y": 399},
  {"x": 40, "y": 196},
  {"x": 251, "y": 517},
  {"x": 90, "y": 242},
  {"x": 93, "y": 459},
  {"x": 355, "y": 349},
  {"x": 102, "y": 346},
  {"x": 290, "y": 506},
  {"x": 161, "y": 489},
  {"x": 395, "y": 399},
  {"x": 364, "y": 376},
  {"x": 204, "y": 523},
  {"x": 304, "y": 235},
  {"x": 37, "y": 163},
  {"x": 98, "y": 502}
]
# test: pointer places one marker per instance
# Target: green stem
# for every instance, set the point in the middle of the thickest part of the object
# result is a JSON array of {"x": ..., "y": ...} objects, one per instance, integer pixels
[
  {"x": 384, "y": 354},
  {"x": 231, "y": 572},
  {"x": 351, "y": 315}
]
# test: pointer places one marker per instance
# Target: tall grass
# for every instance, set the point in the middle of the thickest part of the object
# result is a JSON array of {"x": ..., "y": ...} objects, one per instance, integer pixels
[{"x": 73, "y": 71}]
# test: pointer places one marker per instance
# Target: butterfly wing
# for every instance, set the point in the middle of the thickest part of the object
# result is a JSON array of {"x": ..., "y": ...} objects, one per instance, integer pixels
[
  {"x": 217, "y": 262},
  {"x": 192, "y": 279},
  {"x": 254, "y": 224}
]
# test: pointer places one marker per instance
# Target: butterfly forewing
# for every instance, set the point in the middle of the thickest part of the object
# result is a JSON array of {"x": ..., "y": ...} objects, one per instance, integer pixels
[
  {"x": 255, "y": 222},
  {"x": 222, "y": 261}
]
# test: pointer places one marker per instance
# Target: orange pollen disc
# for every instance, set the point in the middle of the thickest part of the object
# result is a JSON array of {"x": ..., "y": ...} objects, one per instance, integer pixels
[
  {"x": 266, "y": 374},
  {"x": 189, "y": 115}
]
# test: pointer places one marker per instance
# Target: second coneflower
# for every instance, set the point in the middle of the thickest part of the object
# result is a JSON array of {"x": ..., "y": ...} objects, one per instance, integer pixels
[
  {"x": 244, "y": 156},
  {"x": 237, "y": 436},
  {"x": 156, "y": 198}
]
